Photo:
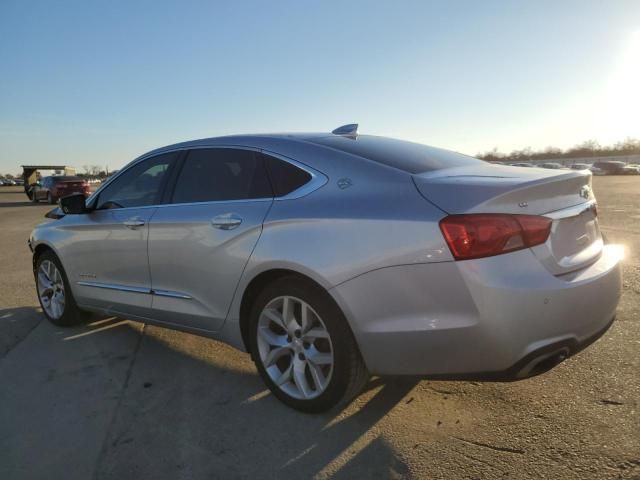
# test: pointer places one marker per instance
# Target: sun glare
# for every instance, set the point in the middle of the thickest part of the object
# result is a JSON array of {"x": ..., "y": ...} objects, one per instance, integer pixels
[{"x": 623, "y": 99}]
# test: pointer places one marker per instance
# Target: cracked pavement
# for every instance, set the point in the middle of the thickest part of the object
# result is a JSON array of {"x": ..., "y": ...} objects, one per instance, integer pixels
[{"x": 117, "y": 399}]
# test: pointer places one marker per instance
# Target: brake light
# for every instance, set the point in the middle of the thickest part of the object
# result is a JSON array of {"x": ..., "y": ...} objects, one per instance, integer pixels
[{"x": 488, "y": 234}]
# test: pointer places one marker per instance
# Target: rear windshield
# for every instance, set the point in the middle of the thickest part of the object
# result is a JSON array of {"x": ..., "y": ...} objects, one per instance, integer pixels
[
  {"x": 408, "y": 156},
  {"x": 65, "y": 178}
]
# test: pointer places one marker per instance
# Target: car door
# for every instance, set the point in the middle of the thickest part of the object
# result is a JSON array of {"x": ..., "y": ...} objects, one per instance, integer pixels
[
  {"x": 200, "y": 242},
  {"x": 107, "y": 257},
  {"x": 40, "y": 188}
]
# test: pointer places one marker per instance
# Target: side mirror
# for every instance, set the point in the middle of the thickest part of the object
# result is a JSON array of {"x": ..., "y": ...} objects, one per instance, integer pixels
[{"x": 74, "y": 204}]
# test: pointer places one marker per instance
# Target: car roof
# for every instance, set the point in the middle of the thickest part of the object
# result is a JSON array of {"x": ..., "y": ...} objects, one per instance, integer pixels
[
  {"x": 249, "y": 140},
  {"x": 402, "y": 155}
]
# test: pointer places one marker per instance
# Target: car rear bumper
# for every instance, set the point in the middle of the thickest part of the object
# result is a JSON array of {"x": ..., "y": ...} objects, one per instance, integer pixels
[{"x": 497, "y": 318}]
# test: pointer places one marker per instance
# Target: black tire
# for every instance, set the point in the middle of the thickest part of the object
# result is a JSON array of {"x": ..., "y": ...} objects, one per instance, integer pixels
[
  {"x": 349, "y": 371},
  {"x": 71, "y": 315}
]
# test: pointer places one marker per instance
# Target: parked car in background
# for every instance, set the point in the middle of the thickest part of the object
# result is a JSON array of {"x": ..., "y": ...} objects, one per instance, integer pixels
[
  {"x": 610, "y": 167},
  {"x": 19, "y": 181},
  {"x": 7, "y": 182},
  {"x": 521, "y": 164},
  {"x": 335, "y": 256},
  {"x": 580, "y": 166},
  {"x": 54, "y": 187},
  {"x": 552, "y": 165},
  {"x": 630, "y": 170}
]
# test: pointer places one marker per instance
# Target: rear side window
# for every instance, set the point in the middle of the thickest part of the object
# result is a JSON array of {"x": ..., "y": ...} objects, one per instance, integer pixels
[
  {"x": 220, "y": 174},
  {"x": 284, "y": 176},
  {"x": 408, "y": 156}
]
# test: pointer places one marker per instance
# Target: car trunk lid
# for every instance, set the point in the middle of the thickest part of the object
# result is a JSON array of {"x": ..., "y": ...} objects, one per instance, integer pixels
[
  {"x": 563, "y": 195},
  {"x": 70, "y": 186}
]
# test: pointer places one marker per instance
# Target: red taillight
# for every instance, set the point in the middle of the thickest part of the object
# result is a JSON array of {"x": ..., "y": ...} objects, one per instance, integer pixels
[{"x": 487, "y": 234}]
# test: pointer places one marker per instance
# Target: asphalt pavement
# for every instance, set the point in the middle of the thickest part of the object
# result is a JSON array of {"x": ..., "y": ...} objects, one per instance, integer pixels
[{"x": 116, "y": 399}]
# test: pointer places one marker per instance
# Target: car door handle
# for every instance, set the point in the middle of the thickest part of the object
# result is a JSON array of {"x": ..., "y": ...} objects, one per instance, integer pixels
[
  {"x": 227, "y": 221},
  {"x": 134, "y": 222}
]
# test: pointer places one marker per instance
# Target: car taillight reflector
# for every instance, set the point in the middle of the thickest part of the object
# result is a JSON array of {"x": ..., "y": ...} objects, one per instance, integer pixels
[{"x": 487, "y": 234}]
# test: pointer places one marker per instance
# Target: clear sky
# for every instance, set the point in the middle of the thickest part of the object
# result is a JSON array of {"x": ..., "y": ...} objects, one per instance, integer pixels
[{"x": 93, "y": 82}]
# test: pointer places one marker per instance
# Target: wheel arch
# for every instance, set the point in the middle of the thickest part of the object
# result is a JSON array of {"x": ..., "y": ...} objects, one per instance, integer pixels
[
  {"x": 259, "y": 282},
  {"x": 41, "y": 248}
]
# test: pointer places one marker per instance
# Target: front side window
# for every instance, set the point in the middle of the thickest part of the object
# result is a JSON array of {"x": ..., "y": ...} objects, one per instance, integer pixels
[
  {"x": 139, "y": 186},
  {"x": 221, "y": 174}
]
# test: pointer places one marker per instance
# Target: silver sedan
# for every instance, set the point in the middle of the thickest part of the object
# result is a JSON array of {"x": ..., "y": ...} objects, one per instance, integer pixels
[{"x": 331, "y": 257}]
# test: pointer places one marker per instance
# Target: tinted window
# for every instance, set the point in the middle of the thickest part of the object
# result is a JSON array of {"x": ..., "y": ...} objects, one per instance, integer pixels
[
  {"x": 219, "y": 174},
  {"x": 284, "y": 176},
  {"x": 139, "y": 186},
  {"x": 408, "y": 156},
  {"x": 65, "y": 178}
]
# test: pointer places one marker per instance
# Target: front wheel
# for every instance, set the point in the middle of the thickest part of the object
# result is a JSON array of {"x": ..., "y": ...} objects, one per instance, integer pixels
[
  {"x": 54, "y": 294},
  {"x": 303, "y": 347}
]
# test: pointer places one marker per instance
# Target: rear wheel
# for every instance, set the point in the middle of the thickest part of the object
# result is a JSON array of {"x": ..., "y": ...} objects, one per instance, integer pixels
[
  {"x": 303, "y": 348},
  {"x": 54, "y": 294}
]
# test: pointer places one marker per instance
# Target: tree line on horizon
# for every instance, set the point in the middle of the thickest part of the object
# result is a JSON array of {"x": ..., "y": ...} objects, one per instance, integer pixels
[{"x": 589, "y": 148}]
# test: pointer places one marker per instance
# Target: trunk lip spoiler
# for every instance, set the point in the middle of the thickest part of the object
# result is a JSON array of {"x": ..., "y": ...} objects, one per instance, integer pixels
[{"x": 573, "y": 211}]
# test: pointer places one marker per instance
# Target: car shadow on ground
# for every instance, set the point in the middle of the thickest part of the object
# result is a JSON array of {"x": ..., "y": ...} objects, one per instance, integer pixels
[
  {"x": 178, "y": 405},
  {"x": 22, "y": 204}
]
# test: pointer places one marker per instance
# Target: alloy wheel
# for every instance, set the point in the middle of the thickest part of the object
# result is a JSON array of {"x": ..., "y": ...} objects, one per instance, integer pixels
[
  {"x": 51, "y": 289},
  {"x": 295, "y": 347}
]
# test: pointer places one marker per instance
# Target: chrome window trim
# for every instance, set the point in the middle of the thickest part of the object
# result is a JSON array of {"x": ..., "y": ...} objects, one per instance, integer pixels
[
  {"x": 318, "y": 179},
  {"x": 242, "y": 200},
  {"x": 165, "y": 205}
]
